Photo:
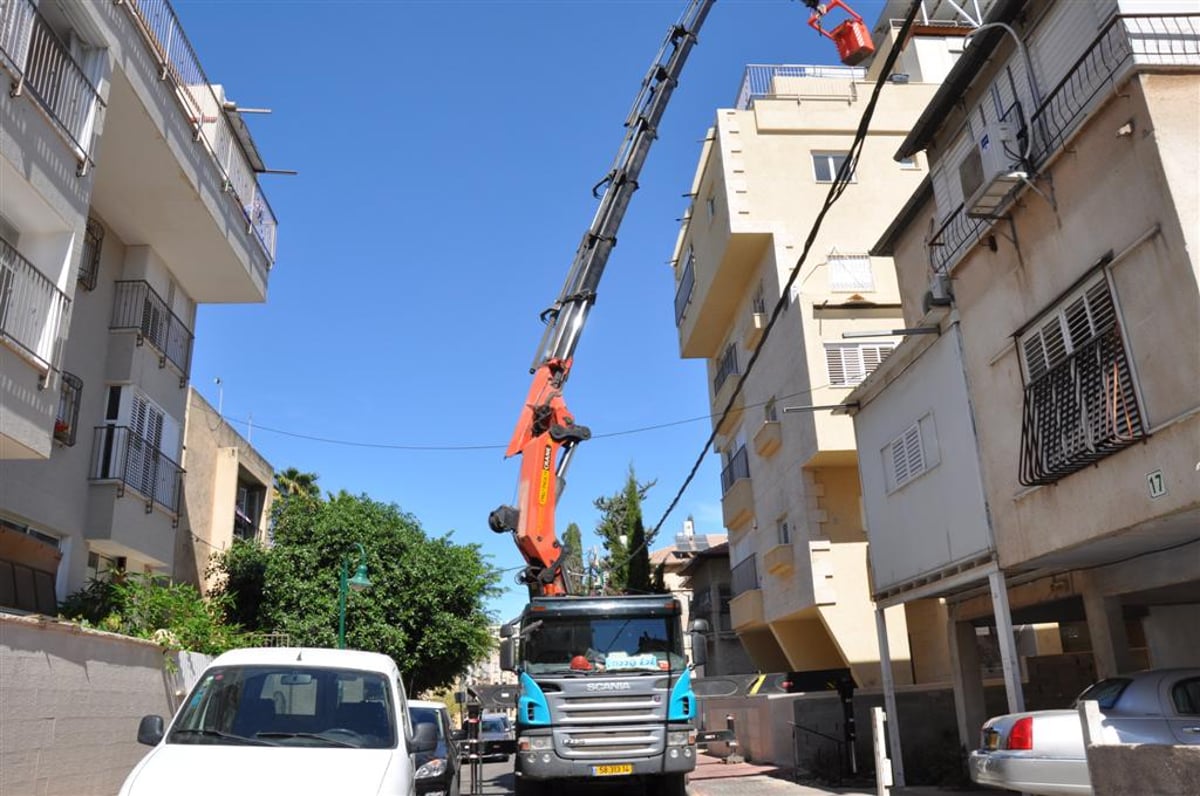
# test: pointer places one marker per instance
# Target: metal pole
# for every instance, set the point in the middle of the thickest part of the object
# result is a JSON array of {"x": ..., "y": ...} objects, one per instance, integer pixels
[
  {"x": 889, "y": 697},
  {"x": 343, "y": 587}
]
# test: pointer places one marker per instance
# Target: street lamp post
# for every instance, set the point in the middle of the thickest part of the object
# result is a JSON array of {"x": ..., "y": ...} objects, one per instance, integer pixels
[{"x": 359, "y": 582}]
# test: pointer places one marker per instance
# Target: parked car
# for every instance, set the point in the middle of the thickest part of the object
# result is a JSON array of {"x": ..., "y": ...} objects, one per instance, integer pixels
[
  {"x": 286, "y": 720},
  {"x": 496, "y": 736},
  {"x": 437, "y": 770},
  {"x": 1041, "y": 752}
]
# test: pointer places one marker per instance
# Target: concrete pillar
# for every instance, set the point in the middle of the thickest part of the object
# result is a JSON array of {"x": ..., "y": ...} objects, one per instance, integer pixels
[
  {"x": 969, "y": 706},
  {"x": 889, "y": 699},
  {"x": 1008, "y": 644},
  {"x": 1106, "y": 626}
]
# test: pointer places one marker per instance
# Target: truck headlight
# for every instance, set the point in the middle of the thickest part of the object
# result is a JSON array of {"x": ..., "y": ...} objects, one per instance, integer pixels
[
  {"x": 681, "y": 738},
  {"x": 535, "y": 743},
  {"x": 434, "y": 768}
]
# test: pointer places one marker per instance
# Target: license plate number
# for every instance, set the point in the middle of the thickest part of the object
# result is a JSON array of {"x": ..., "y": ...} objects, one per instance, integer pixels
[{"x": 612, "y": 771}]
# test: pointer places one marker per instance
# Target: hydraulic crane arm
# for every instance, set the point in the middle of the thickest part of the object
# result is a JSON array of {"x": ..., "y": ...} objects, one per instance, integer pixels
[{"x": 546, "y": 433}]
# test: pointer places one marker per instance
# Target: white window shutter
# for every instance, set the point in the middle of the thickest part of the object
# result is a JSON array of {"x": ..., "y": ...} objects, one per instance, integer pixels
[{"x": 837, "y": 369}]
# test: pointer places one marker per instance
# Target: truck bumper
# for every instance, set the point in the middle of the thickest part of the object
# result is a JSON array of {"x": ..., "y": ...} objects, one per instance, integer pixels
[{"x": 546, "y": 764}]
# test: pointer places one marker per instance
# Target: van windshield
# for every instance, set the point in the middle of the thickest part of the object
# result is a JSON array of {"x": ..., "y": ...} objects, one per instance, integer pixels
[{"x": 288, "y": 706}]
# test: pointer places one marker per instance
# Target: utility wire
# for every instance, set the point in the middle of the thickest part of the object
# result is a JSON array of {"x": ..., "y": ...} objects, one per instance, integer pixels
[{"x": 841, "y": 180}]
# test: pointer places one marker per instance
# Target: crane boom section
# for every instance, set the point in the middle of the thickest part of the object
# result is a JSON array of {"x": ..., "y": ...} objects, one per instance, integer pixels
[{"x": 546, "y": 433}]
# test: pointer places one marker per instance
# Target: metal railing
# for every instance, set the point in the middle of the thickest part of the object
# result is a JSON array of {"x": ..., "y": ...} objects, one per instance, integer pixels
[
  {"x": 687, "y": 283},
  {"x": 744, "y": 576},
  {"x": 42, "y": 65},
  {"x": 89, "y": 259},
  {"x": 121, "y": 454},
  {"x": 1079, "y": 412},
  {"x": 1161, "y": 40},
  {"x": 737, "y": 468},
  {"x": 727, "y": 367},
  {"x": 67, "y": 419},
  {"x": 957, "y": 234},
  {"x": 759, "y": 81},
  {"x": 32, "y": 308},
  {"x": 138, "y": 308},
  {"x": 205, "y": 111}
]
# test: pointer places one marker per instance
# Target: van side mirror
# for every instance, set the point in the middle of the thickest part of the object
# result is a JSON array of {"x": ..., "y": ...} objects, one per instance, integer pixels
[
  {"x": 506, "y": 631},
  {"x": 424, "y": 738},
  {"x": 150, "y": 730},
  {"x": 508, "y": 657}
]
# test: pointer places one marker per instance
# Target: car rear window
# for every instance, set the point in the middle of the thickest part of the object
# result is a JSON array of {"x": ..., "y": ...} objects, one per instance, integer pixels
[{"x": 1105, "y": 692}]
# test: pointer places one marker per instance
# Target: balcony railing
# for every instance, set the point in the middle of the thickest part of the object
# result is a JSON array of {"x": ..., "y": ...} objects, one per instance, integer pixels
[
  {"x": 737, "y": 467},
  {"x": 41, "y": 64},
  {"x": 89, "y": 260},
  {"x": 687, "y": 283},
  {"x": 728, "y": 367},
  {"x": 744, "y": 576},
  {"x": 759, "y": 81},
  {"x": 1159, "y": 40},
  {"x": 32, "y": 308},
  {"x": 138, "y": 308},
  {"x": 205, "y": 111},
  {"x": 121, "y": 454},
  {"x": 1079, "y": 412},
  {"x": 67, "y": 419}
]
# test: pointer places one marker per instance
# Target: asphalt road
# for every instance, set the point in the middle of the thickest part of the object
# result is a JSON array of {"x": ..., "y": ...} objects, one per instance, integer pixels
[{"x": 497, "y": 780}]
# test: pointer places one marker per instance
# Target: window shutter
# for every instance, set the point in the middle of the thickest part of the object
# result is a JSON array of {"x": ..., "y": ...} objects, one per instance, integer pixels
[
  {"x": 850, "y": 273},
  {"x": 913, "y": 451},
  {"x": 899, "y": 462},
  {"x": 837, "y": 370}
]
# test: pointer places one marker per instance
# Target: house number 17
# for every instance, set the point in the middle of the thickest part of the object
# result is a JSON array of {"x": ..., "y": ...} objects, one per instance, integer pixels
[{"x": 1158, "y": 487}]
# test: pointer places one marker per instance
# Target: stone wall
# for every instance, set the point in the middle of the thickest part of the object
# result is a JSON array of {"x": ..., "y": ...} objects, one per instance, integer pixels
[
  {"x": 70, "y": 701},
  {"x": 1135, "y": 769}
]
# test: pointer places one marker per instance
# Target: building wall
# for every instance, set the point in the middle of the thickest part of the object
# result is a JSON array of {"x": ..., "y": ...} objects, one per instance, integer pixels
[{"x": 72, "y": 702}]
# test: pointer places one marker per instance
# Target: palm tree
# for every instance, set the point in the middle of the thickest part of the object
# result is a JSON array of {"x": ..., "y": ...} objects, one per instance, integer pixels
[{"x": 292, "y": 482}]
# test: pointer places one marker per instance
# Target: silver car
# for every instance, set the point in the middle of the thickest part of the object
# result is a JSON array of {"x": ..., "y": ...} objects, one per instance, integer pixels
[{"x": 1041, "y": 752}]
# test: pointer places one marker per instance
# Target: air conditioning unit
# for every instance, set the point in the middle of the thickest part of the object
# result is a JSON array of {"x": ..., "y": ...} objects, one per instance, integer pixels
[{"x": 990, "y": 170}]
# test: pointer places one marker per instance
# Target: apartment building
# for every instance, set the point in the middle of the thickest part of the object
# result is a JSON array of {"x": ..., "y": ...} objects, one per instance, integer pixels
[
  {"x": 674, "y": 559},
  {"x": 227, "y": 493},
  {"x": 1035, "y": 460},
  {"x": 128, "y": 196},
  {"x": 789, "y": 482}
]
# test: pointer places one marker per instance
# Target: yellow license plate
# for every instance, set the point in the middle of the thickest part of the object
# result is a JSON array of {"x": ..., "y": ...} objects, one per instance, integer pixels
[{"x": 612, "y": 771}]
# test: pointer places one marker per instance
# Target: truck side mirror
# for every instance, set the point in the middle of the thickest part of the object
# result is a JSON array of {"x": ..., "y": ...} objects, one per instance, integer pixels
[
  {"x": 506, "y": 631},
  {"x": 698, "y": 626},
  {"x": 150, "y": 730},
  {"x": 508, "y": 662},
  {"x": 699, "y": 649}
]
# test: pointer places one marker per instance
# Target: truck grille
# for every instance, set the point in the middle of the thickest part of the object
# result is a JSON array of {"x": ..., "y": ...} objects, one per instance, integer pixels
[
  {"x": 585, "y": 744},
  {"x": 607, "y": 709}
]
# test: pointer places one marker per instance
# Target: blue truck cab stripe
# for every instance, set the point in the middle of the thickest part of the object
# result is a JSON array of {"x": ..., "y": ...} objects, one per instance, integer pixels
[
  {"x": 532, "y": 708},
  {"x": 682, "y": 706}
]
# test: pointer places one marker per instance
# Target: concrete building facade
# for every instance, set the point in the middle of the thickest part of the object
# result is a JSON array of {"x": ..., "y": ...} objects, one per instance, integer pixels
[
  {"x": 791, "y": 497},
  {"x": 128, "y": 196},
  {"x": 1034, "y": 462},
  {"x": 227, "y": 494}
]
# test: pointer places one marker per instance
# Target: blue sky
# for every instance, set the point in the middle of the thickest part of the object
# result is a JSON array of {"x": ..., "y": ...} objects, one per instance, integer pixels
[{"x": 446, "y": 153}]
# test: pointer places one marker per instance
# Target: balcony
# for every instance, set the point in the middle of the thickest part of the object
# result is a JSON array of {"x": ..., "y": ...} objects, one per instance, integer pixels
[
  {"x": 1079, "y": 412},
  {"x": 746, "y": 607},
  {"x": 724, "y": 383},
  {"x": 768, "y": 438},
  {"x": 687, "y": 282},
  {"x": 780, "y": 560},
  {"x": 32, "y": 309},
  {"x": 755, "y": 326},
  {"x": 66, "y": 421},
  {"x": 796, "y": 81},
  {"x": 1126, "y": 43},
  {"x": 121, "y": 455},
  {"x": 41, "y": 67},
  {"x": 737, "y": 496},
  {"x": 137, "y": 308}
]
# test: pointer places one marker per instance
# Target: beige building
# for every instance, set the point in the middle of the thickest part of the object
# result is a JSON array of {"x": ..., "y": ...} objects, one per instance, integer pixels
[
  {"x": 1034, "y": 463},
  {"x": 674, "y": 560},
  {"x": 227, "y": 493},
  {"x": 791, "y": 496},
  {"x": 128, "y": 196}
]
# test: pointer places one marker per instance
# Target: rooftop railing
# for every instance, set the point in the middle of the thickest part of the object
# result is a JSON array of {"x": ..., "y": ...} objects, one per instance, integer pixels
[
  {"x": 762, "y": 80},
  {"x": 205, "y": 111},
  {"x": 41, "y": 64},
  {"x": 32, "y": 308}
]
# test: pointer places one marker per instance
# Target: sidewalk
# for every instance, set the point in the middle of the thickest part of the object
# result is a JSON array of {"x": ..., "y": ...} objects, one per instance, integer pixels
[{"x": 714, "y": 778}]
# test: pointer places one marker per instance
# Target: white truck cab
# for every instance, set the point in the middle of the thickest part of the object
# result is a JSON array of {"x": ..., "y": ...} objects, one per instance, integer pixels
[{"x": 285, "y": 720}]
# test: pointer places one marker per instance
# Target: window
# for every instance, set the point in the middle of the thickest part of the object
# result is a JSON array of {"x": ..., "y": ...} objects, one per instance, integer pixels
[
  {"x": 783, "y": 531},
  {"x": 912, "y": 453},
  {"x": 1105, "y": 693},
  {"x": 850, "y": 363},
  {"x": 100, "y": 565},
  {"x": 89, "y": 260},
  {"x": 771, "y": 411},
  {"x": 1186, "y": 696},
  {"x": 759, "y": 302},
  {"x": 1077, "y": 321},
  {"x": 850, "y": 273},
  {"x": 909, "y": 163},
  {"x": 711, "y": 205},
  {"x": 827, "y": 164}
]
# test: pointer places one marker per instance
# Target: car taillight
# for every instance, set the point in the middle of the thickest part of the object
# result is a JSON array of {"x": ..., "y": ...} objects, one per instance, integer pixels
[{"x": 1021, "y": 734}]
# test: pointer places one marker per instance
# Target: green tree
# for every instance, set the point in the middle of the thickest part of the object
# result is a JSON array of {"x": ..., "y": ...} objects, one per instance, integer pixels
[
  {"x": 623, "y": 535},
  {"x": 425, "y": 607},
  {"x": 241, "y": 572},
  {"x": 291, "y": 482},
  {"x": 573, "y": 559}
]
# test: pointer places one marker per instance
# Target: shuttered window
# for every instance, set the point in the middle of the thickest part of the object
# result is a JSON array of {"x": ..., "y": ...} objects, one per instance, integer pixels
[
  {"x": 1081, "y": 318},
  {"x": 908, "y": 457},
  {"x": 850, "y": 273},
  {"x": 850, "y": 363}
]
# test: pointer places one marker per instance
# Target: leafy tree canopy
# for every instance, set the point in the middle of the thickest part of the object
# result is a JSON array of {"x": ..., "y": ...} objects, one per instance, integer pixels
[
  {"x": 573, "y": 561},
  {"x": 425, "y": 607}
]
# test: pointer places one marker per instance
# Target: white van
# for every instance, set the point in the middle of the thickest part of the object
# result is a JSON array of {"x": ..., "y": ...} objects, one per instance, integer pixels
[{"x": 285, "y": 720}]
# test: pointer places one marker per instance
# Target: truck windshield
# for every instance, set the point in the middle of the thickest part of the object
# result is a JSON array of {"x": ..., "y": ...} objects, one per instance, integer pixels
[
  {"x": 583, "y": 645},
  {"x": 288, "y": 706}
]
